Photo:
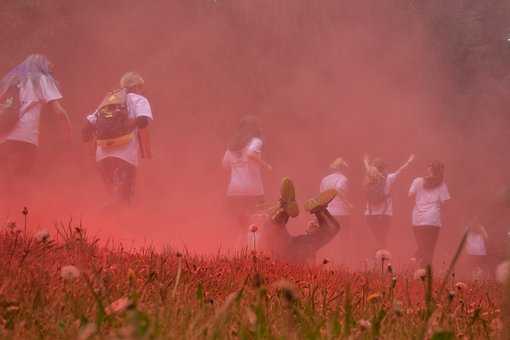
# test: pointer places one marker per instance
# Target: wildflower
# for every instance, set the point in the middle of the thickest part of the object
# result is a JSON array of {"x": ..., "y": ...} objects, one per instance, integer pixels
[
  {"x": 69, "y": 272},
  {"x": 451, "y": 295},
  {"x": 118, "y": 306},
  {"x": 382, "y": 255},
  {"x": 325, "y": 261},
  {"x": 374, "y": 297},
  {"x": 11, "y": 225},
  {"x": 254, "y": 228},
  {"x": 420, "y": 274},
  {"x": 42, "y": 236},
  {"x": 286, "y": 289},
  {"x": 460, "y": 285},
  {"x": 364, "y": 324},
  {"x": 503, "y": 271},
  {"x": 25, "y": 211}
]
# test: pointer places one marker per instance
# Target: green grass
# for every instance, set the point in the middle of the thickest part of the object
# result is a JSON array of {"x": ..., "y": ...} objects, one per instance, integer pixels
[{"x": 168, "y": 295}]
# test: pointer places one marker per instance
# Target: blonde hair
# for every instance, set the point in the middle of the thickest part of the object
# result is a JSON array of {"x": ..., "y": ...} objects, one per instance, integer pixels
[{"x": 131, "y": 79}]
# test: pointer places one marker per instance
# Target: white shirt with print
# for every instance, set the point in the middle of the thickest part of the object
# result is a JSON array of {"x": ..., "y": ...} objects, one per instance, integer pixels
[
  {"x": 138, "y": 106},
  {"x": 427, "y": 209},
  {"x": 338, "y": 182},
  {"x": 245, "y": 173},
  {"x": 32, "y": 99},
  {"x": 385, "y": 208}
]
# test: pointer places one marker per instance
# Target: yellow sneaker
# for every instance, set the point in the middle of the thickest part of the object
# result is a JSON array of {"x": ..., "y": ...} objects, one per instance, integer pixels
[{"x": 321, "y": 201}]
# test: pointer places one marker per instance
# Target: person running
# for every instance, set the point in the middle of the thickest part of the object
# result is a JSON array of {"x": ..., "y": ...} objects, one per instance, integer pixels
[
  {"x": 243, "y": 159},
  {"x": 430, "y": 194},
  {"x": 302, "y": 248},
  {"x": 119, "y": 126},
  {"x": 24, "y": 91},
  {"x": 378, "y": 186}
]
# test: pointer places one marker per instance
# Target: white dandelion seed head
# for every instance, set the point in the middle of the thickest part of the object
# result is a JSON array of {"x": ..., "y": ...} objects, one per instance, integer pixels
[
  {"x": 420, "y": 274},
  {"x": 42, "y": 236},
  {"x": 254, "y": 228},
  {"x": 382, "y": 255},
  {"x": 69, "y": 272},
  {"x": 460, "y": 285},
  {"x": 118, "y": 306},
  {"x": 365, "y": 324}
]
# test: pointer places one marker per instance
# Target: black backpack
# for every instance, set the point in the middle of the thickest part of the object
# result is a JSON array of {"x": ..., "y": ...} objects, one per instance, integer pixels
[
  {"x": 112, "y": 116},
  {"x": 9, "y": 109}
]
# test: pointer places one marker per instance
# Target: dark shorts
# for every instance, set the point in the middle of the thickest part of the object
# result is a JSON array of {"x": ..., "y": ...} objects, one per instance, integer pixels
[{"x": 119, "y": 177}]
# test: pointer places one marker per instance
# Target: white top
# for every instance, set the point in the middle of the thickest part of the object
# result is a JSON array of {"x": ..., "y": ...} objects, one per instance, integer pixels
[
  {"x": 245, "y": 173},
  {"x": 138, "y": 106},
  {"x": 427, "y": 210},
  {"x": 339, "y": 182},
  {"x": 475, "y": 244},
  {"x": 27, "y": 127},
  {"x": 385, "y": 208}
]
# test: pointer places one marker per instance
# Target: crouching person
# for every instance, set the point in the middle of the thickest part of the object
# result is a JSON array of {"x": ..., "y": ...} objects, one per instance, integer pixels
[{"x": 119, "y": 126}]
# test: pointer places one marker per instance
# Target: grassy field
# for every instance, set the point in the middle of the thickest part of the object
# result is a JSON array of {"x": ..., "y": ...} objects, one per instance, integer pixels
[{"x": 71, "y": 287}]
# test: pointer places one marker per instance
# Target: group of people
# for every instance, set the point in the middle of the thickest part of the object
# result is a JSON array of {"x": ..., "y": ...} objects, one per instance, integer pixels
[
  {"x": 118, "y": 126},
  {"x": 245, "y": 196}
]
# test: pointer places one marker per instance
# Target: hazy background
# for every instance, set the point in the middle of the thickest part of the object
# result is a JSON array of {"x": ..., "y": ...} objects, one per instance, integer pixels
[{"x": 327, "y": 78}]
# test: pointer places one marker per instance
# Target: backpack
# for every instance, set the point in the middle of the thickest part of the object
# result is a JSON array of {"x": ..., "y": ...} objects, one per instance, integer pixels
[
  {"x": 375, "y": 192},
  {"x": 9, "y": 109},
  {"x": 113, "y": 117}
]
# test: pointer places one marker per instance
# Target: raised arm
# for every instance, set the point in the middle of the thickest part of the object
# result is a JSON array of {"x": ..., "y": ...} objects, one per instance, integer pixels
[{"x": 406, "y": 164}]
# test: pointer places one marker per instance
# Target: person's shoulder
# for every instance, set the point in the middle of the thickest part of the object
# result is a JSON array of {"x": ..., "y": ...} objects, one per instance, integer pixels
[{"x": 135, "y": 97}]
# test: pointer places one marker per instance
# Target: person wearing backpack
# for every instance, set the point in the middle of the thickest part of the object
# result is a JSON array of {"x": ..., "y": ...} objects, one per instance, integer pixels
[
  {"x": 430, "y": 194},
  {"x": 119, "y": 126},
  {"x": 24, "y": 91},
  {"x": 379, "y": 209}
]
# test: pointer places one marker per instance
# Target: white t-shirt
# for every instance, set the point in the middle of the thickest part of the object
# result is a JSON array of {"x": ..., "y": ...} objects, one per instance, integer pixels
[
  {"x": 339, "y": 182},
  {"x": 475, "y": 244},
  {"x": 33, "y": 98},
  {"x": 427, "y": 209},
  {"x": 138, "y": 106},
  {"x": 385, "y": 208},
  {"x": 245, "y": 173}
]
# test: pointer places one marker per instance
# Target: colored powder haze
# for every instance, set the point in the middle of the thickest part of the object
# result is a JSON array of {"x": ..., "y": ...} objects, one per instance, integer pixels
[{"x": 326, "y": 78}]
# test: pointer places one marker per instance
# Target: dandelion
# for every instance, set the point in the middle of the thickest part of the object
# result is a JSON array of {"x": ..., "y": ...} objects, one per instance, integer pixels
[
  {"x": 118, "y": 306},
  {"x": 42, "y": 236},
  {"x": 286, "y": 289},
  {"x": 254, "y": 228},
  {"x": 69, "y": 272},
  {"x": 503, "y": 271},
  {"x": 460, "y": 285},
  {"x": 420, "y": 274},
  {"x": 11, "y": 225},
  {"x": 382, "y": 255},
  {"x": 325, "y": 261},
  {"x": 365, "y": 324}
]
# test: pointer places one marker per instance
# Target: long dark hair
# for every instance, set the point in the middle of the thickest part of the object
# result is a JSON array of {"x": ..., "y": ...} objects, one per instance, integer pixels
[
  {"x": 248, "y": 129},
  {"x": 436, "y": 177}
]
